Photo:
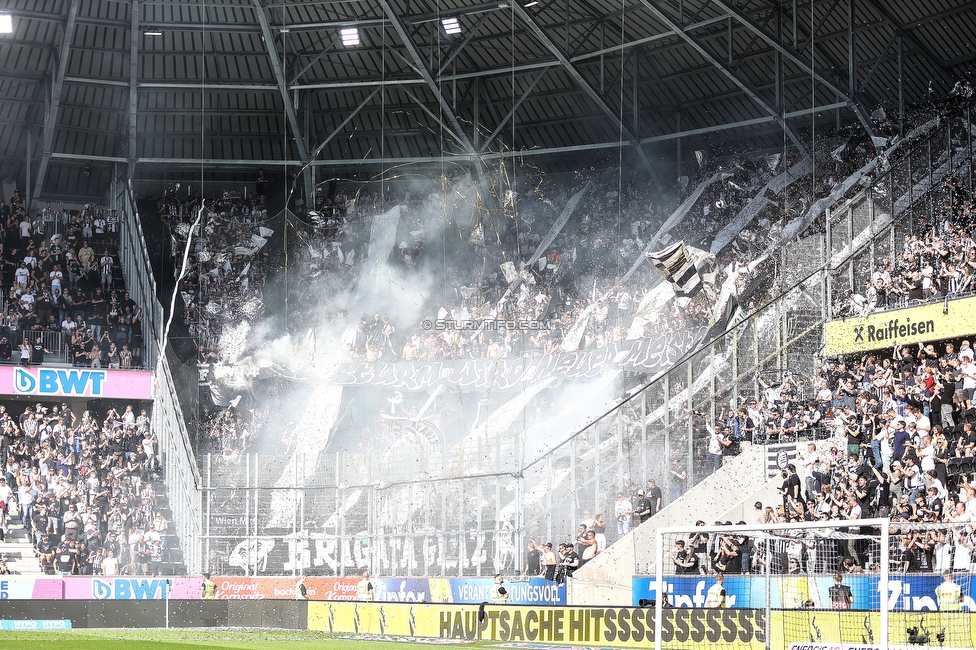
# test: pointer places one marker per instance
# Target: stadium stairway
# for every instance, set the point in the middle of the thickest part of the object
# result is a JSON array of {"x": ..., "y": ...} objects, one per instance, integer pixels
[
  {"x": 606, "y": 579},
  {"x": 729, "y": 494},
  {"x": 16, "y": 549}
]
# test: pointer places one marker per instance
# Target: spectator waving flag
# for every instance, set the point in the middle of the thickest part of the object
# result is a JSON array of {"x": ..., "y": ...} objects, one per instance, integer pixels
[
  {"x": 674, "y": 265},
  {"x": 779, "y": 457}
]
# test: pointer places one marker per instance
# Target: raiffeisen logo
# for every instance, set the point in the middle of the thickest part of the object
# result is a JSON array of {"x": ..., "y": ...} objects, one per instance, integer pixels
[{"x": 68, "y": 383}]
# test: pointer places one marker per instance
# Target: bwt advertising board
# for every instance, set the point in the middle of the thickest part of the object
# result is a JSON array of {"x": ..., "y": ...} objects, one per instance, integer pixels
[
  {"x": 905, "y": 593},
  {"x": 75, "y": 382}
]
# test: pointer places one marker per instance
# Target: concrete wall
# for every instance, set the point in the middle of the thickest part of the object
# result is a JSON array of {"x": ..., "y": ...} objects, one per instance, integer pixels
[
  {"x": 729, "y": 494},
  {"x": 606, "y": 580}
]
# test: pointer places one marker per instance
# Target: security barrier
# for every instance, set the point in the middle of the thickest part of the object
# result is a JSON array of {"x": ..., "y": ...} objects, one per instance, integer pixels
[{"x": 529, "y": 591}]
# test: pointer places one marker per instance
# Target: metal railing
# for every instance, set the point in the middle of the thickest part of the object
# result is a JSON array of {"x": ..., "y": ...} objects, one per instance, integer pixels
[{"x": 178, "y": 460}]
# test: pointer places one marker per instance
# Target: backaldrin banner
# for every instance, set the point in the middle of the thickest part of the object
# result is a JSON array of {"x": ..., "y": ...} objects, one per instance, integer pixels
[
  {"x": 927, "y": 323},
  {"x": 633, "y": 627},
  {"x": 906, "y": 593},
  {"x": 533, "y": 591}
]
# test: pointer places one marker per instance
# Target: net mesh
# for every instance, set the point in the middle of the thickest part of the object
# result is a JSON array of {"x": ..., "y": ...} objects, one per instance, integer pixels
[{"x": 790, "y": 586}]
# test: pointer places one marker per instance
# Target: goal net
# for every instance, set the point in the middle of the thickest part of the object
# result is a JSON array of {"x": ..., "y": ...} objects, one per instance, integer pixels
[{"x": 813, "y": 586}]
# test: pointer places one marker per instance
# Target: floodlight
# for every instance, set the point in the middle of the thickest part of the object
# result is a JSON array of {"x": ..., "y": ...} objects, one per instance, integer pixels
[
  {"x": 451, "y": 25},
  {"x": 350, "y": 36},
  {"x": 6, "y": 24}
]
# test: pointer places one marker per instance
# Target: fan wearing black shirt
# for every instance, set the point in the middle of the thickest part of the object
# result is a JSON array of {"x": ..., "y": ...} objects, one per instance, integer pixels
[
  {"x": 532, "y": 559},
  {"x": 38, "y": 350},
  {"x": 685, "y": 560}
]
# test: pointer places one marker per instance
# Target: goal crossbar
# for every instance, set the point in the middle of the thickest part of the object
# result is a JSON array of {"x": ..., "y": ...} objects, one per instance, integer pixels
[{"x": 882, "y": 525}]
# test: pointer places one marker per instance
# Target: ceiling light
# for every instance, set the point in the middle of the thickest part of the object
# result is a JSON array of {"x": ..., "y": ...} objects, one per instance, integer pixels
[
  {"x": 6, "y": 24},
  {"x": 350, "y": 36},
  {"x": 531, "y": 3},
  {"x": 451, "y": 25},
  {"x": 152, "y": 32}
]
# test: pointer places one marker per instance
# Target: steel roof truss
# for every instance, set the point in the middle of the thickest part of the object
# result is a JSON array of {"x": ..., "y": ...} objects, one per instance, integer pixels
[
  {"x": 726, "y": 70},
  {"x": 344, "y": 122},
  {"x": 418, "y": 64},
  {"x": 279, "y": 74},
  {"x": 51, "y": 116},
  {"x": 133, "y": 85},
  {"x": 590, "y": 92},
  {"x": 911, "y": 38},
  {"x": 797, "y": 59},
  {"x": 447, "y": 128},
  {"x": 504, "y": 121}
]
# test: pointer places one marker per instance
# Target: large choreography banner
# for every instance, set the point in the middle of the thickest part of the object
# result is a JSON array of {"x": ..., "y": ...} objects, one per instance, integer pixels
[{"x": 651, "y": 356}]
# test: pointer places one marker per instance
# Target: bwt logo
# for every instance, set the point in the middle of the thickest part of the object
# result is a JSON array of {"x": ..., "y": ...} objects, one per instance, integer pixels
[
  {"x": 121, "y": 589},
  {"x": 59, "y": 382}
]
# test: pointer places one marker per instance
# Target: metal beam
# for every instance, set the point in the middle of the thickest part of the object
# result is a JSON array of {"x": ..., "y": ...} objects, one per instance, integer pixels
[
  {"x": 344, "y": 85},
  {"x": 344, "y": 122},
  {"x": 797, "y": 59},
  {"x": 458, "y": 46},
  {"x": 447, "y": 128},
  {"x": 92, "y": 81},
  {"x": 279, "y": 74},
  {"x": 643, "y": 41},
  {"x": 133, "y": 85},
  {"x": 201, "y": 85},
  {"x": 421, "y": 68},
  {"x": 736, "y": 125},
  {"x": 88, "y": 157},
  {"x": 877, "y": 63},
  {"x": 51, "y": 115},
  {"x": 911, "y": 38},
  {"x": 725, "y": 69},
  {"x": 521, "y": 99},
  {"x": 577, "y": 76},
  {"x": 494, "y": 72}
]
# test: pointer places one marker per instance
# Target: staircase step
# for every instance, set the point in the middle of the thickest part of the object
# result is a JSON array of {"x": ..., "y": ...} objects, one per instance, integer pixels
[{"x": 18, "y": 551}]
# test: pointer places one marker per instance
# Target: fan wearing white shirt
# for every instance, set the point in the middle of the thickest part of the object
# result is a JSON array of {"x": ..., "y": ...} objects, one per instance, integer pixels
[{"x": 808, "y": 462}]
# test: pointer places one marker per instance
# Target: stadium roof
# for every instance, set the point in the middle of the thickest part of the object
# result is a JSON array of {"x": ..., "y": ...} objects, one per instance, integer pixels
[{"x": 170, "y": 85}]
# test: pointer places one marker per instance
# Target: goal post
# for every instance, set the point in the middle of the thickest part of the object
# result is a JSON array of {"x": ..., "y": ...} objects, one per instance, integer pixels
[{"x": 824, "y": 585}]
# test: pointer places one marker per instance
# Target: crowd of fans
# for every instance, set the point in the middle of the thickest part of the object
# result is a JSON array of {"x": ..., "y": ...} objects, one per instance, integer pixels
[
  {"x": 899, "y": 427},
  {"x": 578, "y": 282},
  {"x": 62, "y": 289},
  {"x": 83, "y": 489},
  {"x": 579, "y": 290},
  {"x": 937, "y": 263}
]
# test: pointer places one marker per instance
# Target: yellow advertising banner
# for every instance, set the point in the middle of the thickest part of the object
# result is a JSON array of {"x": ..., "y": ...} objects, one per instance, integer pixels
[
  {"x": 927, "y": 323},
  {"x": 633, "y": 627},
  {"x": 854, "y": 630}
]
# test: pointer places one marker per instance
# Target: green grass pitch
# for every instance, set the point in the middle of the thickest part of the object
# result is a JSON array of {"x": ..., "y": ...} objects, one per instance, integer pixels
[{"x": 195, "y": 639}]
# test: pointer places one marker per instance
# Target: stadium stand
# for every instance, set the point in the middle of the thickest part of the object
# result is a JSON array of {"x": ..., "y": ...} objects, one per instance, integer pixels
[{"x": 75, "y": 479}]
